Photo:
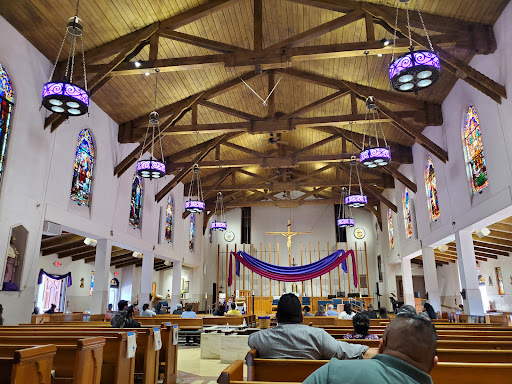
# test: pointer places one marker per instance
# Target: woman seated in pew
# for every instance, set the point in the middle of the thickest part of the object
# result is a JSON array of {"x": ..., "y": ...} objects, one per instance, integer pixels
[
  {"x": 189, "y": 313},
  {"x": 383, "y": 313},
  {"x": 220, "y": 310},
  {"x": 347, "y": 313},
  {"x": 361, "y": 327},
  {"x": 321, "y": 311},
  {"x": 429, "y": 311},
  {"x": 146, "y": 312}
]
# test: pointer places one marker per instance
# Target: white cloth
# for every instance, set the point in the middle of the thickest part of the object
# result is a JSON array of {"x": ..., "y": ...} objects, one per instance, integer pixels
[{"x": 345, "y": 316}]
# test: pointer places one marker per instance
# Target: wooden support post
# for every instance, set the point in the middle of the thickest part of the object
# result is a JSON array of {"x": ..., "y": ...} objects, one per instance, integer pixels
[
  {"x": 234, "y": 276},
  {"x": 310, "y": 261},
  {"x": 357, "y": 270},
  {"x": 348, "y": 270},
  {"x": 367, "y": 273},
  {"x": 218, "y": 270},
  {"x": 302, "y": 292},
  {"x": 270, "y": 262},
  {"x": 261, "y": 277},
  {"x": 330, "y": 286},
  {"x": 243, "y": 273},
  {"x": 278, "y": 263},
  {"x": 227, "y": 272},
  {"x": 321, "y": 288}
]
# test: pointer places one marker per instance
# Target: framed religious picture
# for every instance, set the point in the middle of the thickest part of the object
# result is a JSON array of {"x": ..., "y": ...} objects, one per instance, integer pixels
[
  {"x": 229, "y": 236},
  {"x": 186, "y": 286},
  {"x": 379, "y": 267},
  {"x": 499, "y": 281},
  {"x": 359, "y": 233}
]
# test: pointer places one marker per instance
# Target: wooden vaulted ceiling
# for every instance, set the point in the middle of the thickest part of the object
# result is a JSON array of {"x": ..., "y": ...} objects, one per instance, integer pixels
[
  {"x": 73, "y": 246},
  {"x": 497, "y": 243},
  {"x": 314, "y": 48}
]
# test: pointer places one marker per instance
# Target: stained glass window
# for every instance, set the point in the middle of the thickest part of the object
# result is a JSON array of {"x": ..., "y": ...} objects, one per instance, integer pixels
[
  {"x": 407, "y": 213},
  {"x": 91, "y": 287},
  {"x": 169, "y": 217},
  {"x": 431, "y": 185},
  {"x": 192, "y": 232},
  {"x": 474, "y": 152},
  {"x": 82, "y": 170},
  {"x": 390, "y": 230},
  {"x": 136, "y": 203},
  {"x": 6, "y": 106}
]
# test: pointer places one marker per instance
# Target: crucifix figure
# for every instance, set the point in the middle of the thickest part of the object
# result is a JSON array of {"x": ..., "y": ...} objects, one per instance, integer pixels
[{"x": 289, "y": 234}]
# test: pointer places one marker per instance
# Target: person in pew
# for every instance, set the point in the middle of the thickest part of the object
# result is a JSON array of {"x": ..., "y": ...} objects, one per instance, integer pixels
[
  {"x": 189, "y": 313},
  {"x": 429, "y": 311},
  {"x": 407, "y": 354},
  {"x": 307, "y": 311},
  {"x": 220, "y": 310},
  {"x": 51, "y": 311},
  {"x": 35, "y": 311},
  {"x": 320, "y": 311},
  {"x": 124, "y": 317},
  {"x": 383, "y": 313},
  {"x": 292, "y": 340},
  {"x": 178, "y": 310},
  {"x": 348, "y": 313},
  {"x": 331, "y": 311},
  {"x": 370, "y": 312},
  {"x": 146, "y": 312},
  {"x": 233, "y": 311},
  {"x": 361, "y": 327}
]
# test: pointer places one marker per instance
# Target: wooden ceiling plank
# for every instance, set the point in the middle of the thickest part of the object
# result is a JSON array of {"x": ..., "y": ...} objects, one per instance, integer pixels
[
  {"x": 319, "y": 30},
  {"x": 75, "y": 251},
  {"x": 243, "y": 149},
  {"x": 83, "y": 255},
  {"x": 201, "y": 42},
  {"x": 492, "y": 252},
  {"x": 258, "y": 25},
  {"x": 59, "y": 240},
  {"x": 492, "y": 240},
  {"x": 136, "y": 262},
  {"x": 314, "y": 191},
  {"x": 229, "y": 110},
  {"x": 63, "y": 247},
  {"x": 255, "y": 175},
  {"x": 314, "y": 105},
  {"x": 315, "y": 145}
]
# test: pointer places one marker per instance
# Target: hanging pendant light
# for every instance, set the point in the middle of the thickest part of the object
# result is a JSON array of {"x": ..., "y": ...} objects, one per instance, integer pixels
[
  {"x": 355, "y": 200},
  {"x": 152, "y": 168},
  {"x": 219, "y": 220},
  {"x": 195, "y": 203},
  {"x": 345, "y": 219},
  {"x": 415, "y": 70},
  {"x": 372, "y": 153},
  {"x": 64, "y": 97}
]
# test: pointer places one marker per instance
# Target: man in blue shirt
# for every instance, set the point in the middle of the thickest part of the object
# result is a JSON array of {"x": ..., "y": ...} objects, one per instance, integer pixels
[
  {"x": 407, "y": 354},
  {"x": 331, "y": 311},
  {"x": 190, "y": 314}
]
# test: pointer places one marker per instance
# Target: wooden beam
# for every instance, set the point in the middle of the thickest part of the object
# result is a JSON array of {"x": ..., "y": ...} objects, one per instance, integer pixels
[
  {"x": 319, "y": 30},
  {"x": 201, "y": 42},
  {"x": 63, "y": 247},
  {"x": 229, "y": 111},
  {"x": 315, "y": 145},
  {"x": 59, "y": 240},
  {"x": 271, "y": 102},
  {"x": 83, "y": 255},
  {"x": 187, "y": 167},
  {"x": 74, "y": 251},
  {"x": 153, "y": 47},
  {"x": 258, "y": 25},
  {"x": 314, "y": 105},
  {"x": 491, "y": 240},
  {"x": 281, "y": 203},
  {"x": 136, "y": 262},
  {"x": 370, "y": 29},
  {"x": 243, "y": 149}
]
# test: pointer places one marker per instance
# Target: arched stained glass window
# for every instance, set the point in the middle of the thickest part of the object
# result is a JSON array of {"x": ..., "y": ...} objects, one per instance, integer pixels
[
  {"x": 474, "y": 152},
  {"x": 169, "y": 217},
  {"x": 192, "y": 232},
  {"x": 6, "y": 106},
  {"x": 431, "y": 185},
  {"x": 406, "y": 201},
  {"x": 136, "y": 202},
  {"x": 83, "y": 168},
  {"x": 390, "y": 230}
]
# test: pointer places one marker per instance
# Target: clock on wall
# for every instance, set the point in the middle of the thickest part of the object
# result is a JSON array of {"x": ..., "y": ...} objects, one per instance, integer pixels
[
  {"x": 359, "y": 233},
  {"x": 229, "y": 236}
]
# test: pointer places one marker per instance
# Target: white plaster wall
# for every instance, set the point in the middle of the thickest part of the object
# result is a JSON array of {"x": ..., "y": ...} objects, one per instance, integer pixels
[{"x": 449, "y": 286}]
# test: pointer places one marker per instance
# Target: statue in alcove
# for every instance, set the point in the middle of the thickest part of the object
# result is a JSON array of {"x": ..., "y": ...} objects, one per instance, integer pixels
[{"x": 10, "y": 268}]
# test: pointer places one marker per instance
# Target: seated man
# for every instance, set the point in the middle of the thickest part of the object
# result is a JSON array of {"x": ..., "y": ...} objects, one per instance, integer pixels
[
  {"x": 233, "y": 311},
  {"x": 307, "y": 311},
  {"x": 189, "y": 313},
  {"x": 331, "y": 311},
  {"x": 292, "y": 340},
  {"x": 407, "y": 354},
  {"x": 124, "y": 317},
  {"x": 178, "y": 310},
  {"x": 146, "y": 312}
]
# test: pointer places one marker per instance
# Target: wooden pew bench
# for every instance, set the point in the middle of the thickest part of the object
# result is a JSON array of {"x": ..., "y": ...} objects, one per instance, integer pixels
[
  {"x": 77, "y": 360},
  {"x": 281, "y": 370},
  {"x": 168, "y": 355},
  {"x": 26, "y": 365},
  {"x": 450, "y": 344}
]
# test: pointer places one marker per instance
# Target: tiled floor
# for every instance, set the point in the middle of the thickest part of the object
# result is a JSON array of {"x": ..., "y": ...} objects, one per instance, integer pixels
[{"x": 194, "y": 370}]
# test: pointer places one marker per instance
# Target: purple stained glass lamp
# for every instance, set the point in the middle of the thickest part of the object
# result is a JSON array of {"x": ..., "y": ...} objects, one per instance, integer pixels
[
  {"x": 150, "y": 169},
  {"x": 414, "y": 71},
  {"x": 345, "y": 222},
  {"x": 194, "y": 206},
  {"x": 356, "y": 201},
  {"x": 375, "y": 157},
  {"x": 219, "y": 225}
]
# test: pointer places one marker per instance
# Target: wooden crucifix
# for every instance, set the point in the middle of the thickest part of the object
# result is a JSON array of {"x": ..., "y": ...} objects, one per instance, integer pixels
[{"x": 289, "y": 234}]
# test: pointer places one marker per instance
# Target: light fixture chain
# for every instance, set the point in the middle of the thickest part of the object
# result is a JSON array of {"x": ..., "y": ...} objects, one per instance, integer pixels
[
  {"x": 77, "y": 5},
  {"x": 394, "y": 33},
  {"x": 83, "y": 61},
  {"x": 424, "y": 27},
  {"x": 144, "y": 144},
  {"x": 382, "y": 129},
  {"x": 73, "y": 45},
  {"x": 350, "y": 178},
  {"x": 408, "y": 23},
  {"x": 375, "y": 122},
  {"x": 68, "y": 63},
  {"x": 359, "y": 180},
  {"x": 58, "y": 56},
  {"x": 364, "y": 128}
]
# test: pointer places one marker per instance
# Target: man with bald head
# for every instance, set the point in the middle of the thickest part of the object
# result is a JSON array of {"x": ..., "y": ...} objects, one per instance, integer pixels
[{"x": 407, "y": 354}]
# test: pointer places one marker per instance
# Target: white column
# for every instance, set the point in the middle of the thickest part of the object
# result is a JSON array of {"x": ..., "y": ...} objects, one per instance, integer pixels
[
  {"x": 127, "y": 282},
  {"x": 176, "y": 284},
  {"x": 146, "y": 278},
  {"x": 101, "y": 276},
  {"x": 468, "y": 274},
  {"x": 430, "y": 273},
  {"x": 407, "y": 282}
]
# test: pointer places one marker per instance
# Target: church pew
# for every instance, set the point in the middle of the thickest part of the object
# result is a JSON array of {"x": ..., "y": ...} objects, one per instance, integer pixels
[
  {"x": 169, "y": 355},
  {"x": 115, "y": 367},
  {"x": 281, "y": 370},
  {"x": 223, "y": 320},
  {"x": 77, "y": 360},
  {"x": 27, "y": 365},
  {"x": 320, "y": 320},
  {"x": 450, "y": 344},
  {"x": 474, "y": 356},
  {"x": 146, "y": 358},
  {"x": 503, "y": 320},
  {"x": 380, "y": 331}
]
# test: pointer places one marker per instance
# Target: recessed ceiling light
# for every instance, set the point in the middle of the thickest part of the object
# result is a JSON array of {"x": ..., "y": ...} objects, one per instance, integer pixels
[
  {"x": 147, "y": 73},
  {"x": 137, "y": 64}
]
